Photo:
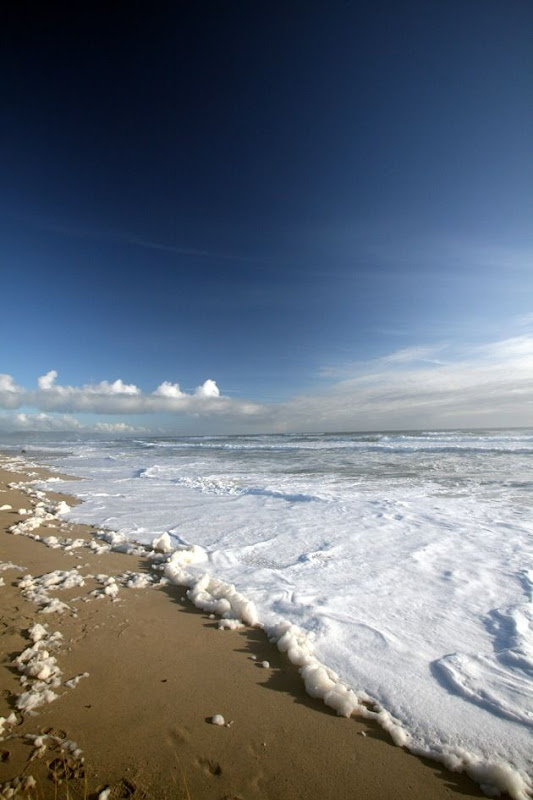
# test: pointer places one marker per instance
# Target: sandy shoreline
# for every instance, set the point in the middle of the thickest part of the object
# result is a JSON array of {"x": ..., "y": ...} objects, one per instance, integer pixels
[{"x": 158, "y": 670}]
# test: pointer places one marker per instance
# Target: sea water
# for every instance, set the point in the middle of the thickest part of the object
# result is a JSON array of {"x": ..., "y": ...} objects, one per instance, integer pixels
[{"x": 404, "y": 558}]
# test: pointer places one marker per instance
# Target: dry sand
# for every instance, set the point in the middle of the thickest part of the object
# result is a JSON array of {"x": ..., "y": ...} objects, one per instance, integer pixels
[{"x": 159, "y": 670}]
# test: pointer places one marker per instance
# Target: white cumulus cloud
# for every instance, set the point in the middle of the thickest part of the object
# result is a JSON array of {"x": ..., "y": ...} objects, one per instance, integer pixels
[
  {"x": 208, "y": 389},
  {"x": 9, "y": 392},
  {"x": 111, "y": 397},
  {"x": 7, "y": 384},
  {"x": 167, "y": 389},
  {"x": 46, "y": 382},
  {"x": 117, "y": 387}
]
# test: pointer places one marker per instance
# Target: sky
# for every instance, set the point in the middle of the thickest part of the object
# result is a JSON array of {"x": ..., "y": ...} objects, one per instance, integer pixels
[{"x": 237, "y": 216}]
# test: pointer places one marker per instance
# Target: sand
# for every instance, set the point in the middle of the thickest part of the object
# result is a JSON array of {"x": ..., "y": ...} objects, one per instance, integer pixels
[{"x": 158, "y": 671}]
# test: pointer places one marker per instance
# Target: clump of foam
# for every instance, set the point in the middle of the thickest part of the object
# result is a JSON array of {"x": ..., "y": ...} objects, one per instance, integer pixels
[
  {"x": 182, "y": 557},
  {"x": 38, "y": 632},
  {"x": 7, "y": 722},
  {"x": 9, "y": 565},
  {"x": 131, "y": 580},
  {"x": 163, "y": 544},
  {"x": 17, "y": 786},
  {"x": 111, "y": 587},
  {"x": 38, "y": 695},
  {"x": 137, "y": 580},
  {"x": 99, "y": 547},
  {"x": 25, "y": 527},
  {"x": 37, "y": 589},
  {"x": 43, "y": 513},
  {"x": 210, "y": 594},
  {"x": 55, "y": 606},
  {"x": 229, "y": 624},
  {"x": 73, "y": 682},
  {"x": 39, "y": 669},
  {"x": 73, "y": 544},
  {"x": 493, "y": 777},
  {"x": 62, "y": 508},
  {"x": 120, "y": 544},
  {"x": 41, "y": 677},
  {"x": 67, "y": 747}
]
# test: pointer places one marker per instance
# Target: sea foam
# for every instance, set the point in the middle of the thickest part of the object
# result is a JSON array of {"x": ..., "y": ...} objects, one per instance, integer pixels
[{"x": 393, "y": 570}]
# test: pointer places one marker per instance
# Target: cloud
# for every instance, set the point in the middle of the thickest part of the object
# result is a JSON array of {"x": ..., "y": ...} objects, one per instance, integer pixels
[
  {"x": 515, "y": 347},
  {"x": 46, "y": 382},
  {"x": 115, "y": 427},
  {"x": 40, "y": 422},
  {"x": 61, "y": 422},
  {"x": 7, "y": 384},
  {"x": 489, "y": 385},
  {"x": 207, "y": 389},
  {"x": 525, "y": 320},
  {"x": 139, "y": 241},
  {"x": 9, "y": 392},
  {"x": 410, "y": 354},
  {"x": 167, "y": 389},
  {"x": 117, "y": 397},
  {"x": 406, "y": 355},
  {"x": 117, "y": 387}
]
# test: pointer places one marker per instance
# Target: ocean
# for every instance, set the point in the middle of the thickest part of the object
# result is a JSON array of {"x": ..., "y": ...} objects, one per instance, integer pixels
[{"x": 402, "y": 562}]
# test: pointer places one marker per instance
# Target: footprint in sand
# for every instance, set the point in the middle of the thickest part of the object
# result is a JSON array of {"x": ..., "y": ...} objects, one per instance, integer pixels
[
  {"x": 57, "y": 732},
  {"x": 210, "y": 767},
  {"x": 66, "y": 769},
  {"x": 122, "y": 790}
]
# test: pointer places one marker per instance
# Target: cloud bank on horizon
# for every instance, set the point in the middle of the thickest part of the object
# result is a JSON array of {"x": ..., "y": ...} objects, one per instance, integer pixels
[{"x": 487, "y": 385}]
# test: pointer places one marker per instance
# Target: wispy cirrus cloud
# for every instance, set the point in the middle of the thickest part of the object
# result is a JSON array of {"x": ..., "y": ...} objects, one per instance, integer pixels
[
  {"x": 488, "y": 385},
  {"x": 146, "y": 243},
  {"x": 407, "y": 355}
]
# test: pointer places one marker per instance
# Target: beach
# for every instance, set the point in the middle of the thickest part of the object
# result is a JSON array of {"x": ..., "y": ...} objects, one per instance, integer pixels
[{"x": 148, "y": 672}]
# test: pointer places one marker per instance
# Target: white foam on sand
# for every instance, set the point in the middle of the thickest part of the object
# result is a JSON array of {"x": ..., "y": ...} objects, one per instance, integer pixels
[
  {"x": 494, "y": 776},
  {"x": 41, "y": 674},
  {"x": 394, "y": 570}
]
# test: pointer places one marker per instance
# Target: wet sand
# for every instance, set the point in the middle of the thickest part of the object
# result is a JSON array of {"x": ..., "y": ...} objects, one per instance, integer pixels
[{"x": 158, "y": 671}]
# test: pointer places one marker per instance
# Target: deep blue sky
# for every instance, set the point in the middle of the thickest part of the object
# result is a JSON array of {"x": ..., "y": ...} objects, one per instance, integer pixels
[{"x": 261, "y": 193}]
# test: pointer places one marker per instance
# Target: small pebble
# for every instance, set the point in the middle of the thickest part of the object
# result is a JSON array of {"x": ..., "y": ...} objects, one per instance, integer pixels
[
  {"x": 218, "y": 719},
  {"x": 265, "y": 664}
]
